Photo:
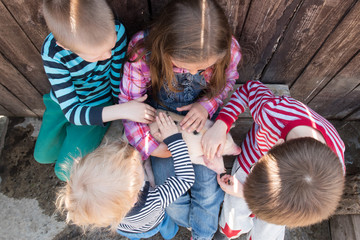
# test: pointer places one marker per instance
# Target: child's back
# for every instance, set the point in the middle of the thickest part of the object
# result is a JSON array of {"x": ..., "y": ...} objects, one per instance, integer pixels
[{"x": 83, "y": 58}]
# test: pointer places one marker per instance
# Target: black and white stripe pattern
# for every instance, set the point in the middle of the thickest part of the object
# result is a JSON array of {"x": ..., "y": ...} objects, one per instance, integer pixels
[{"x": 150, "y": 209}]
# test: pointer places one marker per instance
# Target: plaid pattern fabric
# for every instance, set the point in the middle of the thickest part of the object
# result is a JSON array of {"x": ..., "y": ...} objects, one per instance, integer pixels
[{"x": 136, "y": 79}]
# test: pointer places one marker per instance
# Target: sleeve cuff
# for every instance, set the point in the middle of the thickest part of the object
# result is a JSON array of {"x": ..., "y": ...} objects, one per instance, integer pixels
[
  {"x": 173, "y": 138},
  {"x": 95, "y": 116},
  {"x": 226, "y": 119},
  {"x": 146, "y": 147},
  {"x": 209, "y": 106}
]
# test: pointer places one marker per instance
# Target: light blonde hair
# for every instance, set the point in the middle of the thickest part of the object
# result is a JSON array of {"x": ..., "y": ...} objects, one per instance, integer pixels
[
  {"x": 102, "y": 186},
  {"x": 297, "y": 183},
  {"x": 75, "y": 22}
]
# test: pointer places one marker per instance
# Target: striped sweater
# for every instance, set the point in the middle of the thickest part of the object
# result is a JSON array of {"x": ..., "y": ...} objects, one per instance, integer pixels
[
  {"x": 274, "y": 117},
  {"x": 80, "y": 87},
  {"x": 149, "y": 211}
]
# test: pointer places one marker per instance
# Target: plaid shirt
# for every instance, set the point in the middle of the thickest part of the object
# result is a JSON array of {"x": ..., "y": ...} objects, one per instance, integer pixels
[{"x": 137, "y": 77}]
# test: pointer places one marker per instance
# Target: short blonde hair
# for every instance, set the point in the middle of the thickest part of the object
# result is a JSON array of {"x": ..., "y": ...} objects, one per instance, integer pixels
[
  {"x": 102, "y": 186},
  {"x": 75, "y": 22},
  {"x": 297, "y": 183}
]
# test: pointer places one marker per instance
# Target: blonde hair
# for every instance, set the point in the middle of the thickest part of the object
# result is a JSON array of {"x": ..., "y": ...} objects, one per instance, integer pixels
[
  {"x": 75, "y": 22},
  {"x": 188, "y": 31},
  {"x": 297, "y": 183},
  {"x": 102, "y": 186}
]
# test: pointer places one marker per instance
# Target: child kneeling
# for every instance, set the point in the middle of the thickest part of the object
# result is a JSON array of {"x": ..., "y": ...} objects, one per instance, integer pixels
[{"x": 108, "y": 187}]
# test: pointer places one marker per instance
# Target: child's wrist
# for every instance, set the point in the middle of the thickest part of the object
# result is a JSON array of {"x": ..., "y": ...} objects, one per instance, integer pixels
[{"x": 172, "y": 138}]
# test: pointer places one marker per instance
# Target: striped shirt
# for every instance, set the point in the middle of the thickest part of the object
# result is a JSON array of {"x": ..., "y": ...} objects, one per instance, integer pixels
[
  {"x": 78, "y": 86},
  {"x": 273, "y": 118},
  {"x": 137, "y": 78},
  {"x": 149, "y": 211}
]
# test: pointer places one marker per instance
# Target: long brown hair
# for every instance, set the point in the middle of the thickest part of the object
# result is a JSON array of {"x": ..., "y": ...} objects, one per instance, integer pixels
[{"x": 188, "y": 31}]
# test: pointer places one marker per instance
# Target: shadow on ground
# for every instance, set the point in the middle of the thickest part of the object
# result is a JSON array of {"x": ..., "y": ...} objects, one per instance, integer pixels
[{"x": 22, "y": 177}]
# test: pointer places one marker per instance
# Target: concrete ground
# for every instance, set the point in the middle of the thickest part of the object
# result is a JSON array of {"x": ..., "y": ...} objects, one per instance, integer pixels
[{"x": 27, "y": 189}]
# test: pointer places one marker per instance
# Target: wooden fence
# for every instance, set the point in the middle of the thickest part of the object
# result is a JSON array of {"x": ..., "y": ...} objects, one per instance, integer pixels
[{"x": 310, "y": 45}]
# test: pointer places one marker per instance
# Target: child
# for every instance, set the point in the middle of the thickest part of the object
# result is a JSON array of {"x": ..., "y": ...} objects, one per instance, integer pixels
[
  {"x": 187, "y": 62},
  {"x": 291, "y": 165},
  {"x": 107, "y": 187},
  {"x": 82, "y": 58}
]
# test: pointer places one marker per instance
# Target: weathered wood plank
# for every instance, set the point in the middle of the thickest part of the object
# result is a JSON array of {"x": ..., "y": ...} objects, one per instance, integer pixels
[
  {"x": 356, "y": 223},
  {"x": 312, "y": 23},
  {"x": 30, "y": 17},
  {"x": 236, "y": 11},
  {"x": 355, "y": 115},
  {"x": 157, "y": 6},
  {"x": 338, "y": 49},
  {"x": 20, "y": 87},
  {"x": 13, "y": 104},
  {"x": 343, "y": 227},
  {"x": 19, "y": 50},
  {"x": 342, "y": 93},
  {"x": 134, "y": 14},
  {"x": 350, "y": 202},
  {"x": 5, "y": 112},
  {"x": 264, "y": 26}
]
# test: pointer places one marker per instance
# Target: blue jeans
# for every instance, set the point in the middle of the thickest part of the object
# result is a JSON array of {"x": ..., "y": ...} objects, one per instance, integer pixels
[
  {"x": 167, "y": 229},
  {"x": 199, "y": 209}
]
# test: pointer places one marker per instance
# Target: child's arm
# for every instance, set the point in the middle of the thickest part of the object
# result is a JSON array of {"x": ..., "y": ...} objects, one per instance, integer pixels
[
  {"x": 134, "y": 110},
  {"x": 134, "y": 84},
  {"x": 184, "y": 177},
  {"x": 117, "y": 60},
  {"x": 254, "y": 95}
]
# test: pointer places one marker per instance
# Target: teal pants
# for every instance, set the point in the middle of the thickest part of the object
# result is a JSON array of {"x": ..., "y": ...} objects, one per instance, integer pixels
[{"x": 61, "y": 142}]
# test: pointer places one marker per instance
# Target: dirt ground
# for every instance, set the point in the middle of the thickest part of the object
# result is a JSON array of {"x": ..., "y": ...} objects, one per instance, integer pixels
[{"x": 22, "y": 177}]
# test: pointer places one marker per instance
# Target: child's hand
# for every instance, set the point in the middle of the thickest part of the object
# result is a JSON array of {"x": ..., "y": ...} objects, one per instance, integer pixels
[
  {"x": 134, "y": 110},
  {"x": 167, "y": 127},
  {"x": 213, "y": 140},
  {"x": 161, "y": 151},
  {"x": 231, "y": 185},
  {"x": 139, "y": 111},
  {"x": 195, "y": 119}
]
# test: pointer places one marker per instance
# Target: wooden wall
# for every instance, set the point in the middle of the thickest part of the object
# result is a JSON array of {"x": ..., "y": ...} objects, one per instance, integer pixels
[{"x": 310, "y": 45}]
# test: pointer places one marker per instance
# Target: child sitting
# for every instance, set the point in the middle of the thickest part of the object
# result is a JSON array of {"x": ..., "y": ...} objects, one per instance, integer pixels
[
  {"x": 83, "y": 58},
  {"x": 107, "y": 188},
  {"x": 291, "y": 164}
]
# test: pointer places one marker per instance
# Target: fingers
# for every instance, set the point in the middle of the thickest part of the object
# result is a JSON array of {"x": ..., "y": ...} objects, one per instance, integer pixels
[
  {"x": 184, "y": 108},
  {"x": 201, "y": 126},
  {"x": 223, "y": 181},
  {"x": 191, "y": 123},
  {"x": 209, "y": 152},
  {"x": 142, "y": 98},
  {"x": 164, "y": 121},
  {"x": 220, "y": 150}
]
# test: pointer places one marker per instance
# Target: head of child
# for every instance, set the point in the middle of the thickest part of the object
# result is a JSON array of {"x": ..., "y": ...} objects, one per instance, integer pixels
[
  {"x": 190, "y": 34},
  {"x": 297, "y": 183},
  {"x": 86, "y": 27},
  {"x": 103, "y": 186}
]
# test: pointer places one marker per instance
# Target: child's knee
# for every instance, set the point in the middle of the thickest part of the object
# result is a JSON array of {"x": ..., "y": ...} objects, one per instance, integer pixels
[{"x": 43, "y": 157}]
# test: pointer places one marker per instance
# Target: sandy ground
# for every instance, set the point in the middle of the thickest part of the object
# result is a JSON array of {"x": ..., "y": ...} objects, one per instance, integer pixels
[{"x": 27, "y": 190}]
